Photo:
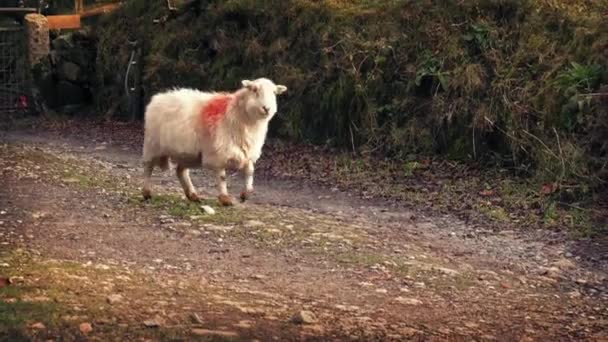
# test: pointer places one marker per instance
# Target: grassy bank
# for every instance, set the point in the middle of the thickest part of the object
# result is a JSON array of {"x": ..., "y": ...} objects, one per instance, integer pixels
[{"x": 512, "y": 83}]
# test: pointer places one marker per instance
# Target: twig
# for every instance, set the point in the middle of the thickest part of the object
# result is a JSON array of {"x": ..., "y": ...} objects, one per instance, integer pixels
[
  {"x": 474, "y": 148},
  {"x": 594, "y": 94},
  {"x": 352, "y": 137},
  {"x": 561, "y": 154},
  {"x": 542, "y": 143}
]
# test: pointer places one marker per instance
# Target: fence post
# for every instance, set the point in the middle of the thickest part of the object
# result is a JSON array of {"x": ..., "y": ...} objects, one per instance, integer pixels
[{"x": 133, "y": 91}]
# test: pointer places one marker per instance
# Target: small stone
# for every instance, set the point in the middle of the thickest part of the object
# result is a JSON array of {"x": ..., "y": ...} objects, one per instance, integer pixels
[
  {"x": 304, "y": 317},
  {"x": 258, "y": 277},
  {"x": 471, "y": 325},
  {"x": 505, "y": 285},
  {"x": 208, "y": 210},
  {"x": 155, "y": 322},
  {"x": 408, "y": 301},
  {"x": 365, "y": 284},
  {"x": 114, "y": 298},
  {"x": 551, "y": 272},
  {"x": 419, "y": 284},
  {"x": 564, "y": 264},
  {"x": 581, "y": 281},
  {"x": 245, "y": 324},
  {"x": 273, "y": 231},
  {"x": 221, "y": 229},
  {"x": 383, "y": 291},
  {"x": 253, "y": 223},
  {"x": 38, "y": 325},
  {"x": 85, "y": 328},
  {"x": 221, "y": 333}
]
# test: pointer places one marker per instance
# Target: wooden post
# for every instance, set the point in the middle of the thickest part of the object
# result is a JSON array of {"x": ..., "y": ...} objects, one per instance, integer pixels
[{"x": 78, "y": 6}]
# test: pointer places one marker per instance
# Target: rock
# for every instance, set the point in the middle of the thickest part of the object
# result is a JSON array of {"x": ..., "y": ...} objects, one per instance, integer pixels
[
  {"x": 221, "y": 229},
  {"x": 551, "y": 272},
  {"x": 63, "y": 42},
  {"x": 208, "y": 210},
  {"x": 408, "y": 301},
  {"x": 155, "y": 322},
  {"x": 253, "y": 223},
  {"x": 70, "y": 71},
  {"x": 114, "y": 298},
  {"x": 221, "y": 333},
  {"x": 347, "y": 308},
  {"x": 245, "y": 324},
  {"x": 273, "y": 231},
  {"x": 581, "y": 281},
  {"x": 383, "y": 291},
  {"x": 69, "y": 94},
  {"x": 85, "y": 328},
  {"x": 564, "y": 264},
  {"x": 304, "y": 317},
  {"x": 38, "y": 325},
  {"x": 419, "y": 284},
  {"x": 258, "y": 277},
  {"x": 471, "y": 325},
  {"x": 194, "y": 232}
]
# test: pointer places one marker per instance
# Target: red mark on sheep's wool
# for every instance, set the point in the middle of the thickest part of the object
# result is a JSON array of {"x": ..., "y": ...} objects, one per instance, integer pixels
[{"x": 214, "y": 110}]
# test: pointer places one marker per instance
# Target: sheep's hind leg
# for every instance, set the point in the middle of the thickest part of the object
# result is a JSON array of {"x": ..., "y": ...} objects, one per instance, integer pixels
[
  {"x": 183, "y": 174},
  {"x": 147, "y": 191},
  {"x": 224, "y": 198},
  {"x": 248, "y": 172}
]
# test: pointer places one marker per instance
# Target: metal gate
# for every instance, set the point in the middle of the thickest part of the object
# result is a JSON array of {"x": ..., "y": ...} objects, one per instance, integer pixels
[{"x": 13, "y": 66}]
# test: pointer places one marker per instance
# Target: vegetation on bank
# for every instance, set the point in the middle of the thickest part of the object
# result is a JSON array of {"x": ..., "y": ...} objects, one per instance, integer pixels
[{"x": 518, "y": 84}]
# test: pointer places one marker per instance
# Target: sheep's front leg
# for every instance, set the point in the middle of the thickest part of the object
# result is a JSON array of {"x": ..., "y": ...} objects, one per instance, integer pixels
[
  {"x": 248, "y": 172},
  {"x": 183, "y": 174},
  {"x": 224, "y": 198}
]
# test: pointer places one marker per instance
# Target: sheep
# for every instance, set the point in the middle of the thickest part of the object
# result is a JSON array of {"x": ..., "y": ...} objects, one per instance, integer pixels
[{"x": 214, "y": 130}]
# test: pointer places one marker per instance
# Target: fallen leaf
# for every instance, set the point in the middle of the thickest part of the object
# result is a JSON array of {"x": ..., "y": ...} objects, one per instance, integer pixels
[
  {"x": 487, "y": 193},
  {"x": 548, "y": 188},
  {"x": 85, "y": 328}
]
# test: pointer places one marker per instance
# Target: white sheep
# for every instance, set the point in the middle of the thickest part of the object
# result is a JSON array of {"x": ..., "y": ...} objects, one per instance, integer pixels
[{"x": 214, "y": 130}]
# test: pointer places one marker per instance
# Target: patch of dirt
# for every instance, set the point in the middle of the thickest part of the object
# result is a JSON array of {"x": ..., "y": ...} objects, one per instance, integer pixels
[{"x": 366, "y": 269}]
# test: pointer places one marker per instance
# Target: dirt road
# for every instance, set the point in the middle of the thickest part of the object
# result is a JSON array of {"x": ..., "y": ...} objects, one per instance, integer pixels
[{"x": 87, "y": 259}]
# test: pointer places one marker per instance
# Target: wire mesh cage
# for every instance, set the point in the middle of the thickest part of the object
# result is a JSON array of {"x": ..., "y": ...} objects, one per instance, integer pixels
[{"x": 13, "y": 65}]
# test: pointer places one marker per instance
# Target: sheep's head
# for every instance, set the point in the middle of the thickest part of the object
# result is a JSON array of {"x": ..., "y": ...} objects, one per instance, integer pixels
[{"x": 261, "y": 102}]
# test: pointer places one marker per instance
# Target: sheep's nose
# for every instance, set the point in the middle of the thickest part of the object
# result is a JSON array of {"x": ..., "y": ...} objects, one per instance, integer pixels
[{"x": 266, "y": 109}]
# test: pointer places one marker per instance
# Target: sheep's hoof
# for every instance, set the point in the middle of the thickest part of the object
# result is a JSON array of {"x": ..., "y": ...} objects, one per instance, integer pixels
[
  {"x": 245, "y": 195},
  {"x": 226, "y": 200},
  {"x": 147, "y": 194},
  {"x": 193, "y": 196}
]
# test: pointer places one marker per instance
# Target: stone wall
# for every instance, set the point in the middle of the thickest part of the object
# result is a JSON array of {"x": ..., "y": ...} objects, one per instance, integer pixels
[{"x": 66, "y": 79}]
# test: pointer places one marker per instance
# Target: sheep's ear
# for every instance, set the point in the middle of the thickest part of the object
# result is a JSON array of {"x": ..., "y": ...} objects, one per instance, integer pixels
[
  {"x": 280, "y": 89},
  {"x": 250, "y": 85}
]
